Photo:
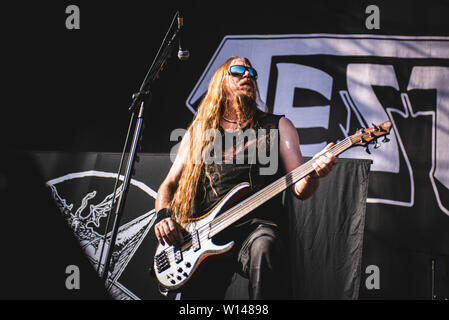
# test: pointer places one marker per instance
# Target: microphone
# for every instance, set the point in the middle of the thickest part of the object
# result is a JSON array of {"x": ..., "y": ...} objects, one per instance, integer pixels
[{"x": 182, "y": 54}]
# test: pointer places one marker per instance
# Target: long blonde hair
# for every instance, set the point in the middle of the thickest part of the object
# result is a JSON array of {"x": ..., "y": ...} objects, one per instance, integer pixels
[{"x": 207, "y": 117}]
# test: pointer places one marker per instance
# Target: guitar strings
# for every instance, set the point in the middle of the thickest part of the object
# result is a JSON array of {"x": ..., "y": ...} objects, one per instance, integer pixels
[
  {"x": 281, "y": 183},
  {"x": 256, "y": 199}
]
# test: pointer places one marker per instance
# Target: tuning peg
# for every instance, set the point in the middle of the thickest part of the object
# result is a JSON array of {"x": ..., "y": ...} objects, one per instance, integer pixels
[
  {"x": 385, "y": 139},
  {"x": 367, "y": 150}
]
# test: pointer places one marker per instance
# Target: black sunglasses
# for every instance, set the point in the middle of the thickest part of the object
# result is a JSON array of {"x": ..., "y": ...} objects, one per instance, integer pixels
[{"x": 238, "y": 70}]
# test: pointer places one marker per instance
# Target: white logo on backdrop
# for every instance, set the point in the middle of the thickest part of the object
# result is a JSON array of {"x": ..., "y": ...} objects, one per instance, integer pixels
[
  {"x": 88, "y": 215},
  {"x": 359, "y": 97}
]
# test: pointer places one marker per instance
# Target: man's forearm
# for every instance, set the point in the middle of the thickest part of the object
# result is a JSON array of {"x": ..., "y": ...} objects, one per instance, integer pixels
[
  {"x": 304, "y": 188},
  {"x": 164, "y": 196}
]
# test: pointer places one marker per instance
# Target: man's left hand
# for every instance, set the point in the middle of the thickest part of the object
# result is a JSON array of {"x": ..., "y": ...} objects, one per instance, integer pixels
[{"x": 324, "y": 162}]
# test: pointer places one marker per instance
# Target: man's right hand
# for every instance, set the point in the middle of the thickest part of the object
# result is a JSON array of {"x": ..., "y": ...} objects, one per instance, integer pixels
[{"x": 168, "y": 231}]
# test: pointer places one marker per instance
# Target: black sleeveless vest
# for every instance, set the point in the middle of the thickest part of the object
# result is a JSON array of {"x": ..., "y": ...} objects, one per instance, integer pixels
[{"x": 245, "y": 162}]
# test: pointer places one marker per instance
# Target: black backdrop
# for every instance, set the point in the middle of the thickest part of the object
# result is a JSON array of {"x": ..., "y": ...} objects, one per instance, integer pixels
[
  {"x": 69, "y": 90},
  {"x": 323, "y": 256}
]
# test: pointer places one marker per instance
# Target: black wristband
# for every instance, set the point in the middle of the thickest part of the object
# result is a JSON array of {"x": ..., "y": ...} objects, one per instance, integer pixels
[{"x": 161, "y": 215}]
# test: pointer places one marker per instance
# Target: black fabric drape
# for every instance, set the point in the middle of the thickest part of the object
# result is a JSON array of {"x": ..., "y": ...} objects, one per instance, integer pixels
[{"x": 326, "y": 234}]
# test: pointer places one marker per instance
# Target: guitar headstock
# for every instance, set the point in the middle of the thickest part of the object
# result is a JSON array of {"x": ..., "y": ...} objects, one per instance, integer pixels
[{"x": 363, "y": 137}]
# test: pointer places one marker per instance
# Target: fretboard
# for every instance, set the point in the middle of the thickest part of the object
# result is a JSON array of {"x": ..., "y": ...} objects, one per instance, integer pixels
[{"x": 237, "y": 212}]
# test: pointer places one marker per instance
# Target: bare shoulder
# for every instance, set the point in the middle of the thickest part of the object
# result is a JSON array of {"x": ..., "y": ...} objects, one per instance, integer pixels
[
  {"x": 287, "y": 129},
  {"x": 289, "y": 144}
]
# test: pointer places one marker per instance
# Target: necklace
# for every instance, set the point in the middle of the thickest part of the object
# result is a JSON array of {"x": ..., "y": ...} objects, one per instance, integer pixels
[{"x": 231, "y": 121}]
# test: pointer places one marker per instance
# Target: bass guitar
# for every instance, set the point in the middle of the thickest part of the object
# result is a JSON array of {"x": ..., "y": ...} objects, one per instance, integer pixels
[{"x": 174, "y": 265}]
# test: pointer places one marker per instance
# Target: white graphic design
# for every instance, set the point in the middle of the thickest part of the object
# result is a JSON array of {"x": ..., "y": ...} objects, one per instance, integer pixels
[
  {"x": 88, "y": 216},
  {"x": 279, "y": 79},
  {"x": 291, "y": 76},
  {"x": 435, "y": 78}
]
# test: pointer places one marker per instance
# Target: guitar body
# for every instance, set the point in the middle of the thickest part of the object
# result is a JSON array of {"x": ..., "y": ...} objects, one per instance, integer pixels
[{"x": 175, "y": 265}]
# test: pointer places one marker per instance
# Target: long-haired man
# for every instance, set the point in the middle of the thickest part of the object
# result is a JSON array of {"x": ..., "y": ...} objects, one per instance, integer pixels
[{"x": 201, "y": 175}]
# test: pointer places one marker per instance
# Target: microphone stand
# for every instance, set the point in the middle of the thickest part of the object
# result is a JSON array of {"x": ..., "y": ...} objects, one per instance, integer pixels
[{"x": 159, "y": 62}]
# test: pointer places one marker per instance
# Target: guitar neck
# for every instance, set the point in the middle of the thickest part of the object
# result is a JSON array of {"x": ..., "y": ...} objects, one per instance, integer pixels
[{"x": 243, "y": 208}]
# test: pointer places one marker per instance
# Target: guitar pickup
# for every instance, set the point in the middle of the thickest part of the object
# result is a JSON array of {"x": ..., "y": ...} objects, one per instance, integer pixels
[
  {"x": 195, "y": 241},
  {"x": 161, "y": 261},
  {"x": 177, "y": 254}
]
